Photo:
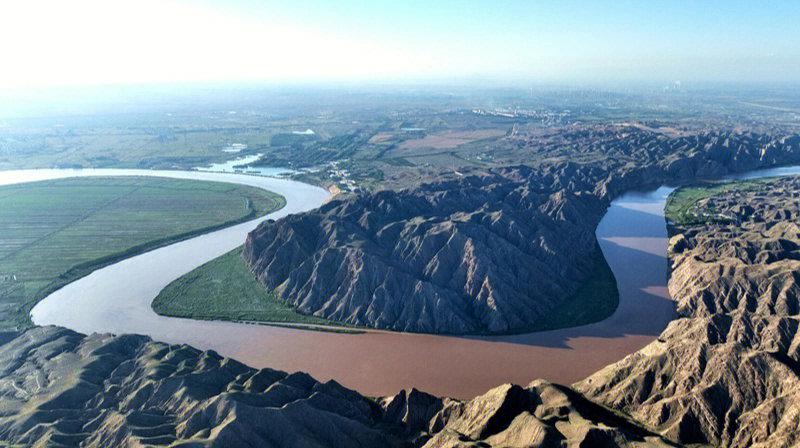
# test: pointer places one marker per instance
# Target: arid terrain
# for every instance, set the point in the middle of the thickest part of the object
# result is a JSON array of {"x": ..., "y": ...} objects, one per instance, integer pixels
[
  {"x": 442, "y": 224},
  {"x": 60, "y": 388},
  {"x": 724, "y": 372},
  {"x": 487, "y": 251},
  {"x": 471, "y": 217}
]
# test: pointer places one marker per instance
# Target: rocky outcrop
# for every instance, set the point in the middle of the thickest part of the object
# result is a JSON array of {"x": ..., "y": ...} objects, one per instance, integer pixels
[
  {"x": 745, "y": 257},
  {"x": 494, "y": 250},
  {"x": 449, "y": 257},
  {"x": 727, "y": 372},
  {"x": 60, "y": 388},
  {"x": 727, "y": 380},
  {"x": 541, "y": 415},
  {"x": 417, "y": 414}
]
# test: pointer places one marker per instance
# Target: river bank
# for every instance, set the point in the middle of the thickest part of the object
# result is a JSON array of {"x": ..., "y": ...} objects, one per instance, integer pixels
[{"x": 632, "y": 236}]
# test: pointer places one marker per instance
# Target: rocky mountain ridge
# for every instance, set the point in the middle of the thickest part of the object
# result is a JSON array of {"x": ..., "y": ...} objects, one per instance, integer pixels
[
  {"x": 446, "y": 258},
  {"x": 489, "y": 251},
  {"x": 62, "y": 389},
  {"x": 727, "y": 371}
]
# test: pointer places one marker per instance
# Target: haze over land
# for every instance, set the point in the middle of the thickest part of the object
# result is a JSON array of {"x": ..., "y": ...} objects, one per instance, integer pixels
[{"x": 405, "y": 224}]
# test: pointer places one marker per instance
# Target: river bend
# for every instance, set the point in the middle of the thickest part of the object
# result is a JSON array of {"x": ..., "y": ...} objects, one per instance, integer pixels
[{"x": 117, "y": 298}]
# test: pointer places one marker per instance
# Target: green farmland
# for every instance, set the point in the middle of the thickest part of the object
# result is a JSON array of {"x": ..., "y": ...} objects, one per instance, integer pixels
[
  {"x": 682, "y": 203},
  {"x": 54, "y": 232}
]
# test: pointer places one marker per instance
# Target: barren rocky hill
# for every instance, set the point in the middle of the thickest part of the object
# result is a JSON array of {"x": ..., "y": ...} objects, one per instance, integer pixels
[
  {"x": 727, "y": 372},
  {"x": 540, "y": 415},
  {"x": 491, "y": 250},
  {"x": 448, "y": 257},
  {"x": 62, "y": 389}
]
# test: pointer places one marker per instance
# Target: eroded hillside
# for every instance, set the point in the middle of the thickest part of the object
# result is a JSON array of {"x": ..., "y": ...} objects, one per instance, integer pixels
[
  {"x": 447, "y": 257},
  {"x": 727, "y": 371},
  {"x": 61, "y": 388},
  {"x": 484, "y": 250}
]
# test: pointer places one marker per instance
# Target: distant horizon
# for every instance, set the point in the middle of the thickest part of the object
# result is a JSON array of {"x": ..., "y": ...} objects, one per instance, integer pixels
[
  {"x": 93, "y": 42},
  {"x": 75, "y": 100},
  {"x": 395, "y": 84}
]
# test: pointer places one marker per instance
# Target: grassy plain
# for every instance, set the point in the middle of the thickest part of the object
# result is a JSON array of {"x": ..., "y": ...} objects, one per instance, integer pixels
[
  {"x": 54, "y": 232},
  {"x": 224, "y": 289}
]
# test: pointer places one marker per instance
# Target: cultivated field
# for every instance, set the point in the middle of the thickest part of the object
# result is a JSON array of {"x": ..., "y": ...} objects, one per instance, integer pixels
[
  {"x": 686, "y": 205},
  {"x": 451, "y": 139},
  {"x": 56, "y": 231}
]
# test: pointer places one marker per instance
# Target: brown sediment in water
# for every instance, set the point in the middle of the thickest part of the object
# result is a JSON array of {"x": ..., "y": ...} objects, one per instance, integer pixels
[
  {"x": 381, "y": 363},
  {"x": 632, "y": 236},
  {"x": 117, "y": 299}
]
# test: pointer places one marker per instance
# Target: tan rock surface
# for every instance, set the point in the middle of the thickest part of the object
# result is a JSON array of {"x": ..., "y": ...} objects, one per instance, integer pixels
[{"x": 727, "y": 371}]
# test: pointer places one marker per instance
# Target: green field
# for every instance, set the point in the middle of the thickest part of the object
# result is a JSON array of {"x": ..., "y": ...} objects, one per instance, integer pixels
[
  {"x": 224, "y": 289},
  {"x": 54, "y": 232},
  {"x": 680, "y": 207}
]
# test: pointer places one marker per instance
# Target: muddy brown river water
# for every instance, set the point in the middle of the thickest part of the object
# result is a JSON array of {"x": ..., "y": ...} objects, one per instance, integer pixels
[{"x": 117, "y": 299}]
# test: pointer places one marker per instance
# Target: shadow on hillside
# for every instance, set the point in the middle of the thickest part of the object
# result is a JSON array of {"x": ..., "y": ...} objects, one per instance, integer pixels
[{"x": 644, "y": 309}]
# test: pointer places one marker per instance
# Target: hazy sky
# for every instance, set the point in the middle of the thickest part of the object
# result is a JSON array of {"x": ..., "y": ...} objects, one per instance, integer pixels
[{"x": 63, "y": 42}]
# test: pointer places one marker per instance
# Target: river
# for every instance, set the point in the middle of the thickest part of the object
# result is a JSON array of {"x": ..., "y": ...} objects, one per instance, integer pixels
[{"x": 632, "y": 236}]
